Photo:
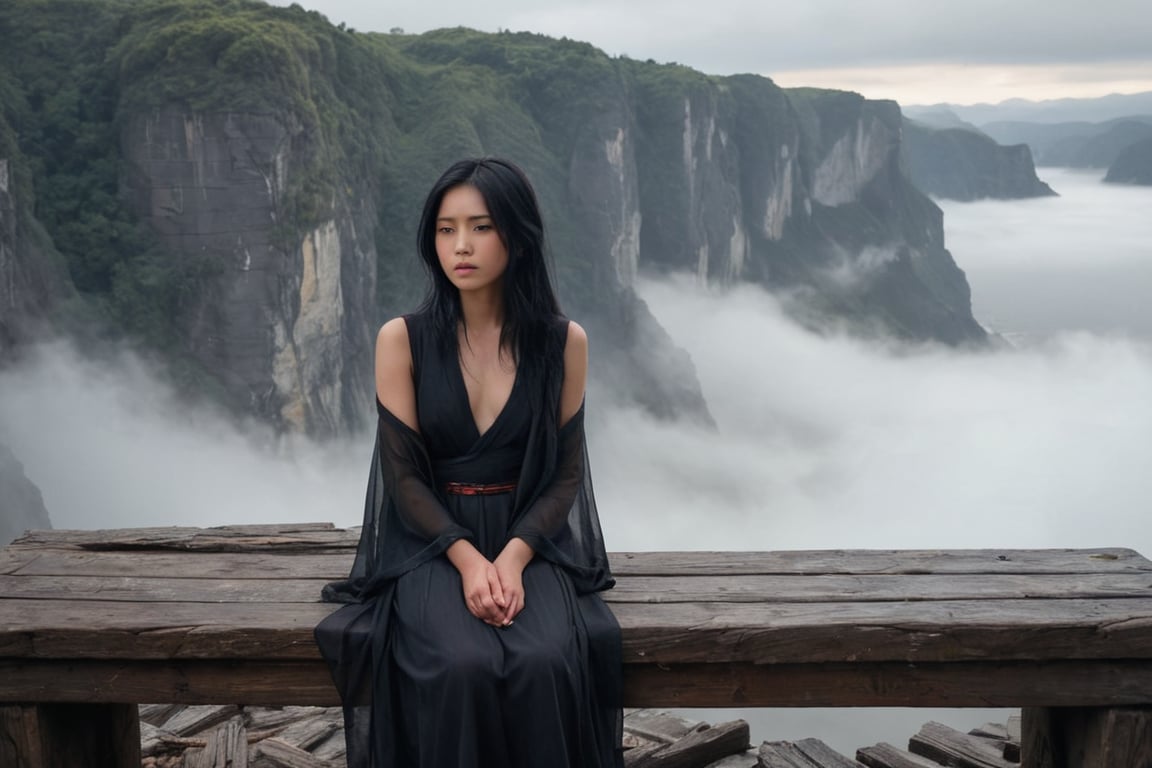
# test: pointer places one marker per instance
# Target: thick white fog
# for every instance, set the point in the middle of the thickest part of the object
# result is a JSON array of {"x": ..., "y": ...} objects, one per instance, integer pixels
[
  {"x": 820, "y": 441},
  {"x": 1082, "y": 260},
  {"x": 110, "y": 446}
]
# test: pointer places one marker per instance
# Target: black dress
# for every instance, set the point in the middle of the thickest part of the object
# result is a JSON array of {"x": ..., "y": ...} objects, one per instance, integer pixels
[{"x": 427, "y": 685}]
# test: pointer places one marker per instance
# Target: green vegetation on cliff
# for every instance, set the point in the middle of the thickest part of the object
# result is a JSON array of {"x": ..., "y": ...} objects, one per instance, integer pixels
[{"x": 634, "y": 162}]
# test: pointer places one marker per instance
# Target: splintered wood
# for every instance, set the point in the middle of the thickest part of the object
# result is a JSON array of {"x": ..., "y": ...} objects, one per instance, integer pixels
[
  {"x": 313, "y": 737},
  {"x": 234, "y": 737}
]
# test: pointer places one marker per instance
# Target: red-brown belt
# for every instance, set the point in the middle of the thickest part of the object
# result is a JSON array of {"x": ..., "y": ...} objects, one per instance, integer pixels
[{"x": 478, "y": 489}]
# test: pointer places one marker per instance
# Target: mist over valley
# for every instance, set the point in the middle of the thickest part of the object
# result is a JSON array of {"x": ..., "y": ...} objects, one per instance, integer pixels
[{"x": 821, "y": 440}]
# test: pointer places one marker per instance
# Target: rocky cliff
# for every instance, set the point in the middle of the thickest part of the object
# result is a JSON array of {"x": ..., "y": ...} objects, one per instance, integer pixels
[
  {"x": 1133, "y": 166},
  {"x": 962, "y": 164},
  {"x": 282, "y": 319},
  {"x": 32, "y": 278},
  {"x": 21, "y": 505},
  {"x": 277, "y": 164}
]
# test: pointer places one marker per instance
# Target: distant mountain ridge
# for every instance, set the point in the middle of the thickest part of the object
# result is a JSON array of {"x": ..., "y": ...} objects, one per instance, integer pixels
[
  {"x": 1069, "y": 133},
  {"x": 960, "y": 162},
  {"x": 1091, "y": 110},
  {"x": 1074, "y": 145}
]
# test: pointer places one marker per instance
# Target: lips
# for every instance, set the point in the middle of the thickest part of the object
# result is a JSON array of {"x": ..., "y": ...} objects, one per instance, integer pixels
[{"x": 464, "y": 268}]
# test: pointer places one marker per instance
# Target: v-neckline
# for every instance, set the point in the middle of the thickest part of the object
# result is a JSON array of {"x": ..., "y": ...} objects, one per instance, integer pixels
[{"x": 468, "y": 402}]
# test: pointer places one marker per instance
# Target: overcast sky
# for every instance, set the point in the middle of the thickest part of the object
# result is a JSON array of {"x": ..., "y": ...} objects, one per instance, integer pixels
[{"x": 915, "y": 51}]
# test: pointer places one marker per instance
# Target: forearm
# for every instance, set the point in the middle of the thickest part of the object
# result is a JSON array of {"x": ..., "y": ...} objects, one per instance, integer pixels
[
  {"x": 464, "y": 555},
  {"x": 516, "y": 552}
]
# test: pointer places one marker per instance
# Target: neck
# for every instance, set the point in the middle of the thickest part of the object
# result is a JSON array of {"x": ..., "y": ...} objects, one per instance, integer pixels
[{"x": 481, "y": 310}]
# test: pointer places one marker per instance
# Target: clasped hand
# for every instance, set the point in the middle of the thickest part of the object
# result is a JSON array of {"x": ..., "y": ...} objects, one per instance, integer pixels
[{"x": 493, "y": 590}]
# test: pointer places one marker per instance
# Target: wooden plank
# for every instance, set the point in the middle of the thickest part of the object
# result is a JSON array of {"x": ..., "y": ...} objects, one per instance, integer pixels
[
  {"x": 884, "y": 755},
  {"x": 151, "y": 590},
  {"x": 963, "y": 630},
  {"x": 1112, "y": 737},
  {"x": 83, "y": 629},
  {"x": 701, "y": 746},
  {"x": 876, "y": 588},
  {"x": 255, "y": 563},
  {"x": 1086, "y": 737},
  {"x": 225, "y": 747},
  {"x": 916, "y": 632},
  {"x": 630, "y": 589},
  {"x": 658, "y": 726},
  {"x": 806, "y": 753},
  {"x": 305, "y": 537},
  {"x": 59, "y": 735},
  {"x": 12, "y": 560},
  {"x": 698, "y": 685},
  {"x": 191, "y": 720},
  {"x": 877, "y": 561},
  {"x": 313, "y": 729},
  {"x": 220, "y": 565},
  {"x": 972, "y": 684},
  {"x": 20, "y": 739},
  {"x": 1041, "y": 744},
  {"x": 822, "y": 755},
  {"x": 179, "y": 682},
  {"x": 951, "y": 747},
  {"x": 273, "y": 753}
]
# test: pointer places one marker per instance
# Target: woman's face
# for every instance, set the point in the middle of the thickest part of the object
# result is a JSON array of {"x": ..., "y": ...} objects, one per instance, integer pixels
[{"x": 471, "y": 251}]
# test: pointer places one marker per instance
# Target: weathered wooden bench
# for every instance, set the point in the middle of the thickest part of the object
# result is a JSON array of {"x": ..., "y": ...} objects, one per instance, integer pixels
[{"x": 94, "y": 622}]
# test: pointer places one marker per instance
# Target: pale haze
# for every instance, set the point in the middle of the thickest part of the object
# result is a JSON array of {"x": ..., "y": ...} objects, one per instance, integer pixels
[{"x": 912, "y": 51}]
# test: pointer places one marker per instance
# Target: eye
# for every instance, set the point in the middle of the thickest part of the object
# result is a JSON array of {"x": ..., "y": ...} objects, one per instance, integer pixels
[
  {"x": 444, "y": 230},
  {"x": 484, "y": 227}
]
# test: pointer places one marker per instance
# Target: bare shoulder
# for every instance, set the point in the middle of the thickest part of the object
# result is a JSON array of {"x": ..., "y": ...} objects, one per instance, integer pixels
[
  {"x": 577, "y": 340},
  {"x": 394, "y": 387},
  {"x": 575, "y": 372},
  {"x": 393, "y": 334}
]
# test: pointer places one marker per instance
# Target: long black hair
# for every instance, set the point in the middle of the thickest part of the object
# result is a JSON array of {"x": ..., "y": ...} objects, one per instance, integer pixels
[{"x": 531, "y": 311}]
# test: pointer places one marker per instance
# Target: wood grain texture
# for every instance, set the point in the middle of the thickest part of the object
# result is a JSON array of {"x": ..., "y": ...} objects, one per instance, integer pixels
[
  {"x": 203, "y": 614},
  {"x": 885, "y": 755},
  {"x": 961, "y": 630},
  {"x": 951, "y": 747},
  {"x": 1086, "y": 737},
  {"x": 974, "y": 684},
  {"x": 20, "y": 738}
]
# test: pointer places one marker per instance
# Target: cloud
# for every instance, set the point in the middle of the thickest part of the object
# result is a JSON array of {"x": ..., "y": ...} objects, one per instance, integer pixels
[
  {"x": 826, "y": 441},
  {"x": 110, "y": 445},
  {"x": 1080, "y": 260},
  {"x": 727, "y": 36}
]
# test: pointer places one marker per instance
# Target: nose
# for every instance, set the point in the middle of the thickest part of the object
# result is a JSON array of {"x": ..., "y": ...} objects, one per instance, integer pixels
[{"x": 462, "y": 246}]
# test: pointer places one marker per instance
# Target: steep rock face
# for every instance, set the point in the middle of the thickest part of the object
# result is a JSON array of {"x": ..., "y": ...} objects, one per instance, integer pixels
[
  {"x": 960, "y": 164},
  {"x": 21, "y": 505},
  {"x": 636, "y": 361},
  {"x": 800, "y": 191},
  {"x": 32, "y": 280},
  {"x": 1133, "y": 166},
  {"x": 284, "y": 324}
]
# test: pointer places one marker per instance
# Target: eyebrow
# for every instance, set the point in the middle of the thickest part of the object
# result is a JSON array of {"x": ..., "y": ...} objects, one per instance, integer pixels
[{"x": 470, "y": 218}]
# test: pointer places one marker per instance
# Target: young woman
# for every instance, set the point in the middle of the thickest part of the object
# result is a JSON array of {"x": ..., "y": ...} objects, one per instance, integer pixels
[{"x": 476, "y": 637}]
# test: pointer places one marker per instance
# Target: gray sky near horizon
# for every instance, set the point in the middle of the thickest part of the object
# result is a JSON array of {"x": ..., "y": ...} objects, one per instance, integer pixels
[{"x": 910, "y": 50}]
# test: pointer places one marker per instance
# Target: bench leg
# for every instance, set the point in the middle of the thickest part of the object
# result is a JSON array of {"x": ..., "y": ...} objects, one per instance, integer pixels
[
  {"x": 69, "y": 736},
  {"x": 1086, "y": 737}
]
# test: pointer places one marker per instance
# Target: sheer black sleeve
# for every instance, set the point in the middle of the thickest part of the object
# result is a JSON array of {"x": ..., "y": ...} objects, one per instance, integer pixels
[
  {"x": 405, "y": 522},
  {"x": 561, "y": 522}
]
